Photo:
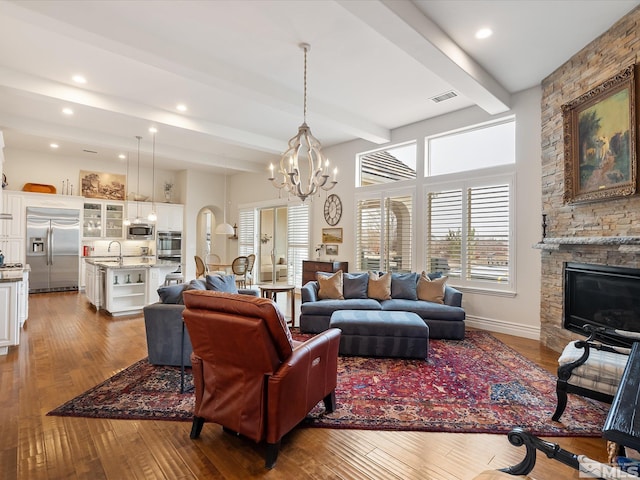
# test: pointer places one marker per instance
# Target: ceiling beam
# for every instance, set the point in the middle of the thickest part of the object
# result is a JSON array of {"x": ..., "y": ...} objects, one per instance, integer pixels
[{"x": 404, "y": 24}]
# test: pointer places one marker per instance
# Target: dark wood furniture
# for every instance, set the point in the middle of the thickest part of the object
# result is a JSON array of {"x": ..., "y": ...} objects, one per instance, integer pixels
[
  {"x": 622, "y": 425},
  {"x": 310, "y": 267}
]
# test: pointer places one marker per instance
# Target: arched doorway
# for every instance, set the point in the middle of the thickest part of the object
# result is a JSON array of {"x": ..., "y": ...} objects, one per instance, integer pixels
[{"x": 206, "y": 239}]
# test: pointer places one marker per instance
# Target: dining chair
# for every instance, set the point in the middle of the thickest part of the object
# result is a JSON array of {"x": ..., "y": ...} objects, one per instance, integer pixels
[
  {"x": 201, "y": 268},
  {"x": 251, "y": 260},
  {"x": 239, "y": 269}
]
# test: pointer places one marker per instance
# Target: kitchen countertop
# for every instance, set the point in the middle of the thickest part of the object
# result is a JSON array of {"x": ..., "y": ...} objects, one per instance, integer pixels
[
  {"x": 130, "y": 262},
  {"x": 13, "y": 274}
]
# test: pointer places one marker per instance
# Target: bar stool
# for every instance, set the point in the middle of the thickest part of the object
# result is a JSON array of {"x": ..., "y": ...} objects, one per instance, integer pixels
[{"x": 173, "y": 278}]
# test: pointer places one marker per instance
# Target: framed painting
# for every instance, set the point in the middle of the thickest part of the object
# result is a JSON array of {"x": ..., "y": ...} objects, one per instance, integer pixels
[
  {"x": 331, "y": 235},
  {"x": 600, "y": 141},
  {"x": 110, "y": 186},
  {"x": 331, "y": 250}
]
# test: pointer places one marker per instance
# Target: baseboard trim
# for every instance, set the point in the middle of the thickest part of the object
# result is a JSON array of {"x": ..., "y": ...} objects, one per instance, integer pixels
[{"x": 501, "y": 326}]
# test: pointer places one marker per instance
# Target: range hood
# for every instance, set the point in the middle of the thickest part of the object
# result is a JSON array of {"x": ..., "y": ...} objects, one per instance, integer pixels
[{"x": 6, "y": 216}]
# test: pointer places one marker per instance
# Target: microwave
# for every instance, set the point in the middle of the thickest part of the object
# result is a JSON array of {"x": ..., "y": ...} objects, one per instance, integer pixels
[{"x": 140, "y": 231}]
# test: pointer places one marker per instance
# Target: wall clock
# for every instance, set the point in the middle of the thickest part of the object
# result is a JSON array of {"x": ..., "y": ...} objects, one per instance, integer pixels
[{"x": 332, "y": 209}]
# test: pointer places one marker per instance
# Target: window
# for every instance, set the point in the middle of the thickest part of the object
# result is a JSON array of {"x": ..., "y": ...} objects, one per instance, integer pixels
[
  {"x": 386, "y": 166},
  {"x": 246, "y": 231},
  {"x": 472, "y": 149},
  {"x": 469, "y": 233},
  {"x": 384, "y": 233},
  {"x": 297, "y": 241}
]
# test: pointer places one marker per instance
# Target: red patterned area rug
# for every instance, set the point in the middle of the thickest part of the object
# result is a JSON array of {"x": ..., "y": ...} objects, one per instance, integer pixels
[{"x": 478, "y": 385}]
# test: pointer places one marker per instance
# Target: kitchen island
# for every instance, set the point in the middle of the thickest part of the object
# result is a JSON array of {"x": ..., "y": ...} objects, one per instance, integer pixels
[
  {"x": 14, "y": 304},
  {"x": 125, "y": 287}
]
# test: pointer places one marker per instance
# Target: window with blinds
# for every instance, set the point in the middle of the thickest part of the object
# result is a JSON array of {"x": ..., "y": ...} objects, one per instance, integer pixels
[
  {"x": 389, "y": 165},
  {"x": 384, "y": 233},
  {"x": 298, "y": 229},
  {"x": 469, "y": 232},
  {"x": 246, "y": 231}
]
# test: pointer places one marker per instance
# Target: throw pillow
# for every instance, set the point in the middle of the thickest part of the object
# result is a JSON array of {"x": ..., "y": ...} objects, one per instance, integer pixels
[
  {"x": 222, "y": 283},
  {"x": 330, "y": 286},
  {"x": 431, "y": 290},
  {"x": 196, "y": 284},
  {"x": 354, "y": 285},
  {"x": 379, "y": 287},
  {"x": 172, "y": 294},
  {"x": 403, "y": 285}
]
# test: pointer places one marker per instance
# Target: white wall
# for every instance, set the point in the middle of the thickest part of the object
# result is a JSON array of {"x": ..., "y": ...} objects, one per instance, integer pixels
[{"x": 517, "y": 314}]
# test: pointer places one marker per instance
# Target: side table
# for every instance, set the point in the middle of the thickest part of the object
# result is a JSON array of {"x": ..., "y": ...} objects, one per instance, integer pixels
[{"x": 271, "y": 291}]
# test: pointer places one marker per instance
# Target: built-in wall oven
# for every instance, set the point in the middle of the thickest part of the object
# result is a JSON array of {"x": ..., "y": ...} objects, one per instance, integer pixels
[{"x": 169, "y": 246}]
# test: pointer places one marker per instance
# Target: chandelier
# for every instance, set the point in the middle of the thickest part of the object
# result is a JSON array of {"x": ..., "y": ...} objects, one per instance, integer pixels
[{"x": 303, "y": 168}]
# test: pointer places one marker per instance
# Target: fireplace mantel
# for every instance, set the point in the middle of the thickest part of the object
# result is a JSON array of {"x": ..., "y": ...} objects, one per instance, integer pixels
[{"x": 624, "y": 244}]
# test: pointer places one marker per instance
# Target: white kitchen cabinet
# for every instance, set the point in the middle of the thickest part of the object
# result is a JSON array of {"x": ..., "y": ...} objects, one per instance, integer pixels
[
  {"x": 140, "y": 210},
  {"x": 103, "y": 219},
  {"x": 93, "y": 285},
  {"x": 23, "y": 299},
  {"x": 9, "y": 323},
  {"x": 12, "y": 232},
  {"x": 126, "y": 290},
  {"x": 170, "y": 217}
]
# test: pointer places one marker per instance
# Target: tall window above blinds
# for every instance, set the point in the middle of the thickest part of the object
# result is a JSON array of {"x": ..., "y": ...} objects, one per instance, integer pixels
[
  {"x": 472, "y": 149},
  {"x": 387, "y": 166}
]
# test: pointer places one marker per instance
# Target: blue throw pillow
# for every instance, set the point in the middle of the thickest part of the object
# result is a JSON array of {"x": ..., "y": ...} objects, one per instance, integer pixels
[
  {"x": 403, "y": 285},
  {"x": 354, "y": 285},
  {"x": 222, "y": 283},
  {"x": 196, "y": 284},
  {"x": 172, "y": 294},
  {"x": 434, "y": 275}
]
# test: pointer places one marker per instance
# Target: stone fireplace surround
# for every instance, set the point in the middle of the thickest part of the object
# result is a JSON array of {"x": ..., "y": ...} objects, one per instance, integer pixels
[{"x": 610, "y": 251}]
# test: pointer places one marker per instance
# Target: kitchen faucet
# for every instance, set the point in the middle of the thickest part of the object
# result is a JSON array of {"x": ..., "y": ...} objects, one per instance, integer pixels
[{"x": 119, "y": 245}]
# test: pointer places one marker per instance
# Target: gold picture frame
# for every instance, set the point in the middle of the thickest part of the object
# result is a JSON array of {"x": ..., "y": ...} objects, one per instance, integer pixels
[
  {"x": 331, "y": 250},
  {"x": 600, "y": 141},
  {"x": 331, "y": 235},
  {"x": 109, "y": 186}
]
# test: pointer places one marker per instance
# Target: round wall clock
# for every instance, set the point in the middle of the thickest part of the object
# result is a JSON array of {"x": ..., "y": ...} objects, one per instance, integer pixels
[{"x": 332, "y": 209}]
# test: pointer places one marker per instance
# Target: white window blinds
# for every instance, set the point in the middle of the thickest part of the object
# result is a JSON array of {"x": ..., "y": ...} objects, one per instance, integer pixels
[
  {"x": 246, "y": 231},
  {"x": 297, "y": 242}
]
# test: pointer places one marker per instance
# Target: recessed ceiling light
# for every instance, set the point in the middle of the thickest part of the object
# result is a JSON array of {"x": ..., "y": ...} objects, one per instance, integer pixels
[
  {"x": 54, "y": 145},
  {"x": 484, "y": 33},
  {"x": 122, "y": 156},
  {"x": 79, "y": 79},
  {"x": 181, "y": 107},
  {"x": 153, "y": 130},
  {"x": 67, "y": 111}
]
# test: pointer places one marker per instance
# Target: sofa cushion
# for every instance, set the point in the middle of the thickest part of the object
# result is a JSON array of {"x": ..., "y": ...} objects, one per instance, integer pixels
[
  {"x": 196, "y": 284},
  {"x": 427, "y": 310},
  {"x": 330, "y": 286},
  {"x": 431, "y": 290},
  {"x": 379, "y": 287},
  {"x": 403, "y": 285},
  {"x": 172, "y": 294},
  {"x": 222, "y": 283},
  {"x": 327, "y": 307},
  {"x": 354, "y": 285}
]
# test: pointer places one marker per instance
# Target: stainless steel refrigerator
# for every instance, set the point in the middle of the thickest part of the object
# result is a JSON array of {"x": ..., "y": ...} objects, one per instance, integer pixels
[{"x": 53, "y": 249}]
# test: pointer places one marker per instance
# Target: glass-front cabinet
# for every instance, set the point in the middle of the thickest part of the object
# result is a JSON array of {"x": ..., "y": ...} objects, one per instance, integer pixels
[{"x": 102, "y": 220}]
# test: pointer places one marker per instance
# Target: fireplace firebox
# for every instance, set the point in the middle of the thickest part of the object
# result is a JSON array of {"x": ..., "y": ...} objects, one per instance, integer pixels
[{"x": 601, "y": 295}]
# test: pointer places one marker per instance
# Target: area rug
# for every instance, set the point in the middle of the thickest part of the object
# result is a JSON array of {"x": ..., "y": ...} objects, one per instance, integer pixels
[{"x": 478, "y": 385}]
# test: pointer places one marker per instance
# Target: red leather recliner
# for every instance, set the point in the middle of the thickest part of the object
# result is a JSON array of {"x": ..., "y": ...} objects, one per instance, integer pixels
[{"x": 249, "y": 375}]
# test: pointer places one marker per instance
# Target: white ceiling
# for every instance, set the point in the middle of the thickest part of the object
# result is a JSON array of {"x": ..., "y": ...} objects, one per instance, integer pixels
[{"x": 236, "y": 64}]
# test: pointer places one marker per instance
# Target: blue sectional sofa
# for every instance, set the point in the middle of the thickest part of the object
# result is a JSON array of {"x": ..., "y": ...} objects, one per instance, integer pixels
[{"x": 444, "y": 320}]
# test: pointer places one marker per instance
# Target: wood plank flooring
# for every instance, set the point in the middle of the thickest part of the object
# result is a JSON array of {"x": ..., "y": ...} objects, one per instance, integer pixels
[{"x": 67, "y": 348}]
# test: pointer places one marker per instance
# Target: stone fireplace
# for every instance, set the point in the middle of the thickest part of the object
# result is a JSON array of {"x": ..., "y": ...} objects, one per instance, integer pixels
[{"x": 603, "y": 233}]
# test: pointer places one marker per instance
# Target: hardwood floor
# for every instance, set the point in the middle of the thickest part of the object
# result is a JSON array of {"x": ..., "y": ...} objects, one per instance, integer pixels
[{"x": 66, "y": 348}]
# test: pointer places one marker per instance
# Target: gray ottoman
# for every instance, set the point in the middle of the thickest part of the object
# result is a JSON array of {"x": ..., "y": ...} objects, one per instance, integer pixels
[{"x": 381, "y": 333}]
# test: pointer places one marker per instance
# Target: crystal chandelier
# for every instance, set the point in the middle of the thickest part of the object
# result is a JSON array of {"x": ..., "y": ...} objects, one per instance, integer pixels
[{"x": 303, "y": 169}]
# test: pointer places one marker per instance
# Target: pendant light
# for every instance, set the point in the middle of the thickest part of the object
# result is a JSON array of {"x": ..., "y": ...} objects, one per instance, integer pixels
[
  {"x": 152, "y": 215},
  {"x": 224, "y": 228},
  {"x": 138, "y": 219},
  {"x": 303, "y": 157}
]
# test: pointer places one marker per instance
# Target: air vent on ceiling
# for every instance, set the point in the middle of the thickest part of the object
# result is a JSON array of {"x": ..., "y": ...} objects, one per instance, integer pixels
[
  {"x": 444, "y": 96},
  {"x": 88, "y": 151}
]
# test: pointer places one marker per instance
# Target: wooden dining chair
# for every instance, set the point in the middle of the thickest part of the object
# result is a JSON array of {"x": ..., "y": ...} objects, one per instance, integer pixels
[
  {"x": 201, "y": 268},
  {"x": 251, "y": 259},
  {"x": 239, "y": 269}
]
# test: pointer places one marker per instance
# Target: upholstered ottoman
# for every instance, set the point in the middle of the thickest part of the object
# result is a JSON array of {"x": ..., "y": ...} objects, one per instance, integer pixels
[{"x": 381, "y": 333}]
